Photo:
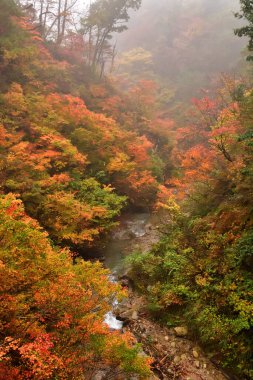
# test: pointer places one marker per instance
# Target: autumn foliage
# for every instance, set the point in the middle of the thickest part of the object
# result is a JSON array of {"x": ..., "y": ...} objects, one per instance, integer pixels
[
  {"x": 61, "y": 190},
  {"x": 75, "y": 150},
  {"x": 53, "y": 146},
  {"x": 52, "y": 311},
  {"x": 202, "y": 267}
]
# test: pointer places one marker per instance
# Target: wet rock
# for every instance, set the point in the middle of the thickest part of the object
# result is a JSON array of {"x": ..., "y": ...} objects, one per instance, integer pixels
[
  {"x": 177, "y": 359},
  {"x": 135, "y": 316},
  {"x": 132, "y": 235},
  {"x": 181, "y": 331},
  {"x": 195, "y": 354},
  {"x": 126, "y": 313},
  {"x": 120, "y": 234},
  {"x": 143, "y": 354},
  {"x": 100, "y": 375},
  {"x": 159, "y": 347},
  {"x": 121, "y": 309},
  {"x": 194, "y": 376},
  {"x": 148, "y": 227},
  {"x": 188, "y": 347},
  {"x": 124, "y": 316},
  {"x": 153, "y": 377},
  {"x": 125, "y": 281}
]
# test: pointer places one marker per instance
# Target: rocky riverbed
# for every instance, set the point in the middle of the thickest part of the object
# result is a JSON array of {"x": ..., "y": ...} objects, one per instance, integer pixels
[{"x": 175, "y": 355}]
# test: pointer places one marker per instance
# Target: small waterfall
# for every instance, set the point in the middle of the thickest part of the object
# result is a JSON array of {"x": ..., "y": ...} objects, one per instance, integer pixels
[{"x": 110, "y": 318}]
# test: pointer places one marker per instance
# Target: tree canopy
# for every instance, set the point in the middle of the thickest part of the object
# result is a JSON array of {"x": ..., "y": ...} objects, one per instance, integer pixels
[{"x": 247, "y": 31}]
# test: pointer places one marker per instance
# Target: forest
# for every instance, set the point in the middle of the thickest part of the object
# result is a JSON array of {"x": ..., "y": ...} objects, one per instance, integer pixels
[{"x": 113, "y": 107}]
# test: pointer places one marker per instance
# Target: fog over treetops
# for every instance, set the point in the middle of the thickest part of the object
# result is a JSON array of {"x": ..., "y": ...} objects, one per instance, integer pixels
[{"x": 184, "y": 43}]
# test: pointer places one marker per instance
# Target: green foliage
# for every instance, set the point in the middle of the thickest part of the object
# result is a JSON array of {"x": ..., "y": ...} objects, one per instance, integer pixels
[
  {"x": 247, "y": 14},
  {"x": 134, "y": 64},
  {"x": 244, "y": 250},
  {"x": 213, "y": 292},
  {"x": 52, "y": 311},
  {"x": 52, "y": 147},
  {"x": 111, "y": 15},
  {"x": 90, "y": 191},
  {"x": 202, "y": 267},
  {"x": 65, "y": 165},
  {"x": 105, "y": 18},
  {"x": 158, "y": 167},
  {"x": 75, "y": 169}
]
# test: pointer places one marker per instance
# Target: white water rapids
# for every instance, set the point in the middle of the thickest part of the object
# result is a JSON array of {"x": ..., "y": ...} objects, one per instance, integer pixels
[
  {"x": 112, "y": 321},
  {"x": 116, "y": 250}
]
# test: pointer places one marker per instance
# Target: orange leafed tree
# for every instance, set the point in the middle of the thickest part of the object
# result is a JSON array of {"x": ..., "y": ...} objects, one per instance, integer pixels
[{"x": 52, "y": 312}]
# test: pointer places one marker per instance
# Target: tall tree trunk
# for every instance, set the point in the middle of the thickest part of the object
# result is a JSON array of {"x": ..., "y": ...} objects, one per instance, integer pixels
[
  {"x": 58, "y": 21},
  {"x": 63, "y": 24}
]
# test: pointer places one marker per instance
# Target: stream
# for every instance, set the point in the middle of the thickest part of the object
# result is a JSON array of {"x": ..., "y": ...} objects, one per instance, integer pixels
[
  {"x": 127, "y": 237},
  {"x": 175, "y": 357},
  {"x": 123, "y": 237}
]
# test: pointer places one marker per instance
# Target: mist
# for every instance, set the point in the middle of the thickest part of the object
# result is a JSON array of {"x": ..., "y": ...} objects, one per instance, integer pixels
[{"x": 185, "y": 43}]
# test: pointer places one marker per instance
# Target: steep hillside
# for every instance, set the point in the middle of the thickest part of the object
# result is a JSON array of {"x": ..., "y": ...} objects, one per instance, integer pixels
[
  {"x": 59, "y": 163},
  {"x": 79, "y": 145},
  {"x": 184, "y": 44}
]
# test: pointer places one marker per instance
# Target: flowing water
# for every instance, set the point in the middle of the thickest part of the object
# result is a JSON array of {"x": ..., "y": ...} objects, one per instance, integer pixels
[
  {"x": 123, "y": 239},
  {"x": 132, "y": 232},
  {"x": 140, "y": 231}
]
